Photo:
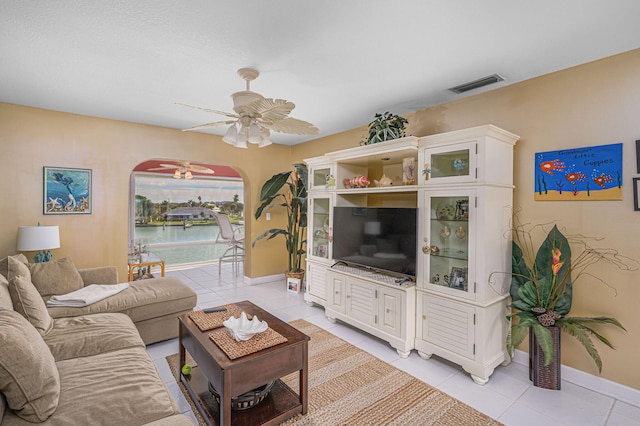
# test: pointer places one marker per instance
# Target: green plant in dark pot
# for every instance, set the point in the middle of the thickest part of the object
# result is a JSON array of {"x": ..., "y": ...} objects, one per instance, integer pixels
[
  {"x": 287, "y": 190},
  {"x": 385, "y": 127},
  {"x": 542, "y": 286}
]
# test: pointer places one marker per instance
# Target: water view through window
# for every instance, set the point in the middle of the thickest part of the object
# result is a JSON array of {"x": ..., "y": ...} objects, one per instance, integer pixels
[{"x": 174, "y": 217}]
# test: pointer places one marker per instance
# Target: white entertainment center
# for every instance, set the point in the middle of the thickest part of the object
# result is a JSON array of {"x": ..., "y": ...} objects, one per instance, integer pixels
[{"x": 461, "y": 184}]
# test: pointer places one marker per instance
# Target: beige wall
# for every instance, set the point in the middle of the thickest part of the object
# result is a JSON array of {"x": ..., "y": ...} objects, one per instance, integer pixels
[
  {"x": 593, "y": 104},
  {"x": 32, "y": 138}
]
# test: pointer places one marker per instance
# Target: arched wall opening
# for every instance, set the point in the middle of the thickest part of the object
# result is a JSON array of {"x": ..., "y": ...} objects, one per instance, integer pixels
[{"x": 172, "y": 204}]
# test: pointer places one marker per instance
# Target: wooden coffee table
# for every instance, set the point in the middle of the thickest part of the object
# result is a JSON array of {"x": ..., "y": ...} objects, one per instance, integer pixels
[{"x": 232, "y": 378}]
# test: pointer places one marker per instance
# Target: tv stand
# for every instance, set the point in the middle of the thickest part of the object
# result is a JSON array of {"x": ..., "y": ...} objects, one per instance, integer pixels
[{"x": 374, "y": 302}]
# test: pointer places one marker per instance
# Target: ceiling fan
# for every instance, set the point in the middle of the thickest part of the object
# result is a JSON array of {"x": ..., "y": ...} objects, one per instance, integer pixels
[
  {"x": 183, "y": 168},
  {"x": 256, "y": 116}
]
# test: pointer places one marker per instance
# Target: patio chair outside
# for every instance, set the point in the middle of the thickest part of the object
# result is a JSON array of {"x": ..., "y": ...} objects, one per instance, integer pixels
[{"x": 226, "y": 235}]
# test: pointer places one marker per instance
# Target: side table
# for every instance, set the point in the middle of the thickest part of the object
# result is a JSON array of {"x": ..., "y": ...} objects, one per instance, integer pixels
[
  {"x": 147, "y": 259},
  {"x": 231, "y": 378}
]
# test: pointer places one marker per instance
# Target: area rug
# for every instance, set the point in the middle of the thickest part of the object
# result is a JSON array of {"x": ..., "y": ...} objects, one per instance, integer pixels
[{"x": 348, "y": 386}]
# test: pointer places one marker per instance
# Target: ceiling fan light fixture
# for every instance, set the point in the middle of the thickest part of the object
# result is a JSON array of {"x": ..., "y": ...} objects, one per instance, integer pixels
[
  {"x": 188, "y": 175},
  {"x": 265, "y": 141},
  {"x": 242, "y": 143},
  {"x": 255, "y": 133},
  {"x": 231, "y": 137},
  {"x": 255, "y": 115},
  {"x": 176, "y": 175}
]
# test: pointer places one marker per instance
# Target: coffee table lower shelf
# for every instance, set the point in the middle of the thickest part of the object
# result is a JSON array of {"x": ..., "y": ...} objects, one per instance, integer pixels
[{"x": 281, "y": 403}]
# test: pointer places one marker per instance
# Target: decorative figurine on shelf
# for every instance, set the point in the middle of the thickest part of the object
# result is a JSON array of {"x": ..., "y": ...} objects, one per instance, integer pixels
[
  {"x": 330, "y": 181},
  {"x": 359, "y": 181},
  {"x": 408, "y": 168},
  {"x": 384, "y": 181},
  {"x": 426, "y": 171},
  {"x": 459, "y": 165}
]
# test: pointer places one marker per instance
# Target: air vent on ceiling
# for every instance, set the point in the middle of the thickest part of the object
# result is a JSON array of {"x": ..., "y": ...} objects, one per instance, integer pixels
[{"x": 481, "y": 82}]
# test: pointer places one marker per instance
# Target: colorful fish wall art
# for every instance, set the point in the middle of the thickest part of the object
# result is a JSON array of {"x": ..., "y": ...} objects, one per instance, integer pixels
[{"x": 588, "y": 173}]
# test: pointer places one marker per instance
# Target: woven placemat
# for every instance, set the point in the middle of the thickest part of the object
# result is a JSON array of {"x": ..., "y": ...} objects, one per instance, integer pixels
[
  {"x": 213, "y": 320},
  {"x": 234, "y": 350}
]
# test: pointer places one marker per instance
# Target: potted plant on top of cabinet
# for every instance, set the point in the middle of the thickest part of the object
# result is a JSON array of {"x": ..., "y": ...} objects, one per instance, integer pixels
[
  {"x": 288, "y": 190},
  {"x": 385, "y": 127}
]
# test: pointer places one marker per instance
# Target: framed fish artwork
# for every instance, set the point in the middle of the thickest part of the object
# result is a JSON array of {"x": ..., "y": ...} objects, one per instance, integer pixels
[
  {"x": 67, "y": 191},
  {"x": 587, "y": 173}
]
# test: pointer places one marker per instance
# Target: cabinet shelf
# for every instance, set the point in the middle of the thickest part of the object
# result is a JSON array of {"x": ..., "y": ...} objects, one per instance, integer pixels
[
  {"x": 378, "y": 190},
  {"x": 452, "y": 255}
]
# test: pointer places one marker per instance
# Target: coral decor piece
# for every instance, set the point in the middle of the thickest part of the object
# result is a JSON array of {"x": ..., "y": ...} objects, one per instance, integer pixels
[{"x": 359, "y": 181}]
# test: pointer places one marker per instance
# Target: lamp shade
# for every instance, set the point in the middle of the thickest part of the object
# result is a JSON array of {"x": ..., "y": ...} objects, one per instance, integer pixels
[{"x": 33, "y": 238}]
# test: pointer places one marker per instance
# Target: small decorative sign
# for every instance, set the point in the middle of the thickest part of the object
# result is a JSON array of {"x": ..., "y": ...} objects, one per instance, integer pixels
[
  {"x": 589, "y": 173},
  {"x": 67, "y": 191},
  {"x": 293, "y": 285}
]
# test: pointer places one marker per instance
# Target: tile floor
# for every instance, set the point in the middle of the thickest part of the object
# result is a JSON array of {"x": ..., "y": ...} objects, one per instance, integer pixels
[{"x": 508, "y": 397}]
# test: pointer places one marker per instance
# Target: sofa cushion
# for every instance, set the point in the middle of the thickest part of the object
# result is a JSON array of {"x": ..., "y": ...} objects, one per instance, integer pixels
[
  {"x": 113, "y": 388},
  {"x": 5, "y": 296},
  {"x": 56, "y": 277},
  {"x": 4, "y": 263},
  {"x": 29, "y": 378},
  {"x": 90, "y": 335},
  {"x": 27, "y": 301},
  {"x": 143, "y": 300}
]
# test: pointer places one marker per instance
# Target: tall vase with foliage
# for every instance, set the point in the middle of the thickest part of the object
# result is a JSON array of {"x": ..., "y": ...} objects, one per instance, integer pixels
[
  {"x": 287, "y": 190},
  {"x": 542, "y": 287}
]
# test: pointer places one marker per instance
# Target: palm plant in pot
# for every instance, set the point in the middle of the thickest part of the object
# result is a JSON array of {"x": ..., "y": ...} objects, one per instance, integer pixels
[
  {"x": 288, "y": 190},
  {"x": 541, "y": 292}
]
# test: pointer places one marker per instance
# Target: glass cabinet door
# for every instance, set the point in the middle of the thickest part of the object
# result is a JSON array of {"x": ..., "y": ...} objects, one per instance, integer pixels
[
  {"x": 320, "y": 227},
  {"x": 449, "y": 249},
  {"x": 450, "y": 164},
  {"x": 321, "y": 177}
]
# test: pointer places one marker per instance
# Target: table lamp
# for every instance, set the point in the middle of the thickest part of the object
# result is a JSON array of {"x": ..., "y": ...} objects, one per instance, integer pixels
[{"x": 39, "y": 238}]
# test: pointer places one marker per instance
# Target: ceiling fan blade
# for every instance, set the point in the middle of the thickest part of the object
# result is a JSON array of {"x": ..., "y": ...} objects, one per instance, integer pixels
[
  {"x": 292, "y": 126},
  {"x": 270, "y": 109},
  {"x": 166, "y": 167},
  {"x": 210, "y": 125},
  {"x": 200, "y": 169},
  {"x": 213, "y": 111}
]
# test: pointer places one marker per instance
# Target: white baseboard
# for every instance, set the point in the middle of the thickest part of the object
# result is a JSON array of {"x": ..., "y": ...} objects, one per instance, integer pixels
[
  {"x": 264, "y": 279},
  {"x": 589, "y": 381}
]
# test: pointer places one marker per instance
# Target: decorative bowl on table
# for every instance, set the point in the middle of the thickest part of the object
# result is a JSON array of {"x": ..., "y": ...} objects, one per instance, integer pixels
[{"x": 244, "y": 329}]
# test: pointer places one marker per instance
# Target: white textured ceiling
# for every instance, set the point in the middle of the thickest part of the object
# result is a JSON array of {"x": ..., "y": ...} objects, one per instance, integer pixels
[{"x": 340, "y": 62}]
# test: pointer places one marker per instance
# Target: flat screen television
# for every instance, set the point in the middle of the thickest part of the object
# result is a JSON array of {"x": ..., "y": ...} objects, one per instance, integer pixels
[{"x": 382, "y": 238}]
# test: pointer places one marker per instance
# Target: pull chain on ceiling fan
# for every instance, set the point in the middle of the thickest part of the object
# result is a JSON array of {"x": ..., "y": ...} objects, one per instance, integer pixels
[{"x": 256, "y": 117}]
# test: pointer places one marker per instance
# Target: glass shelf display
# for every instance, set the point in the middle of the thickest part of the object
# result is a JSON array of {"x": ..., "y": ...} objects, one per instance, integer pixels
[
  {"x": 320, "y": 227},
  {"x": 449, "y": 242}
]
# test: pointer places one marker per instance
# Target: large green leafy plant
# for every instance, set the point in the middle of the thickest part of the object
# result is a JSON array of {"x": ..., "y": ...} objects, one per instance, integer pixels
[
  {"x": 542, "y": 286},
  {"x": 385, "y": 127},
  {"x": 288, "y": 190}
]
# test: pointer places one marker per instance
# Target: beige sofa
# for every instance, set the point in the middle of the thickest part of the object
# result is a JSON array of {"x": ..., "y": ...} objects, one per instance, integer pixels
[
  {"x": 84, "y": 366},
  {"x": 152, "y": 304}
]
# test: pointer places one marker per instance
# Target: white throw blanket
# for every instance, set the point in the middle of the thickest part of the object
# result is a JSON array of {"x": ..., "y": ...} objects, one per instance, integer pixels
[{"x": 87, "y": 295}]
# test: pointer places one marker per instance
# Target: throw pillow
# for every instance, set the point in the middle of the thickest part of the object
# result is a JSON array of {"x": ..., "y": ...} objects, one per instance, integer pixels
[
  {"x": 28, "y": 302},
  {"x": 4, "y": 263},
  {"x": 5, "y": 297},
  {"x": 56, "y": 277},
  {"x": 17, "y": 267},
  {"x": 29, "y": 377}
]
